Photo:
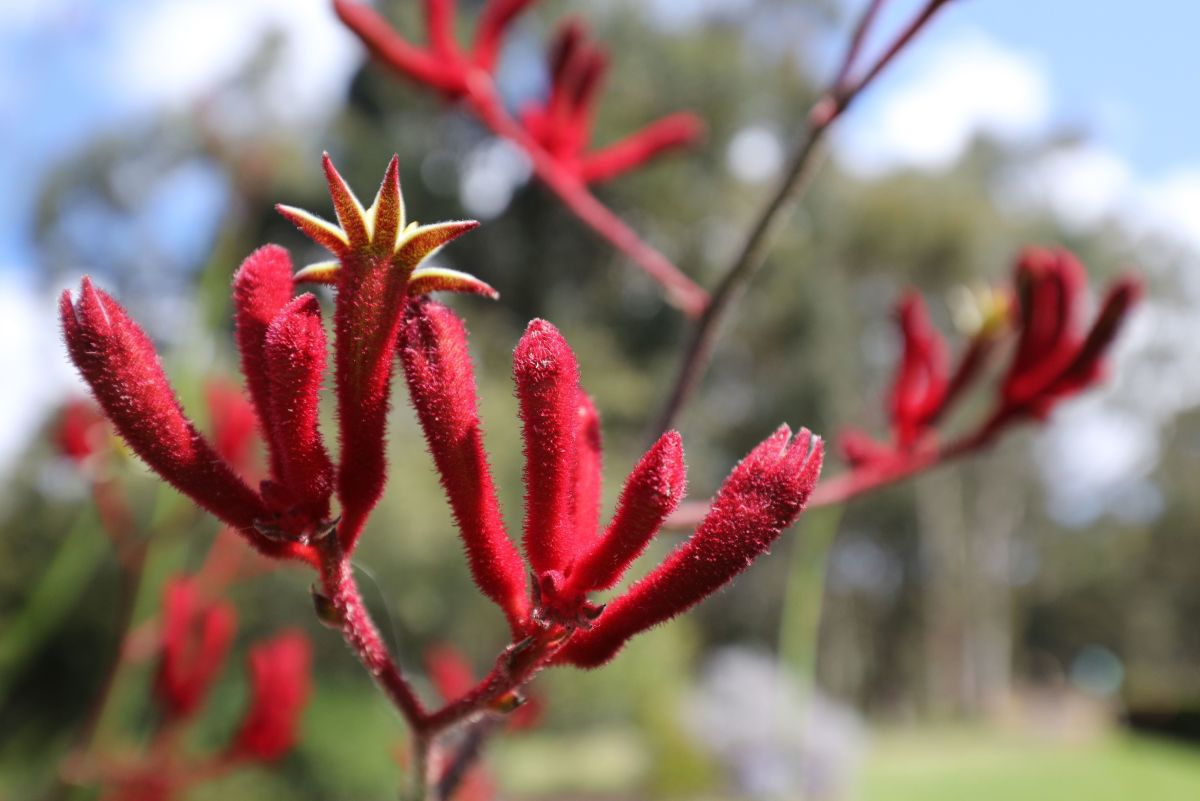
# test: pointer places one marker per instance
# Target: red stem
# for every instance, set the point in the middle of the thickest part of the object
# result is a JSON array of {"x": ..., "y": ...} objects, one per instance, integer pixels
[
  {"x": 361, "y": 634},
  {"x": 870, "y": 476},
  {"x": 861, "y": 29}
]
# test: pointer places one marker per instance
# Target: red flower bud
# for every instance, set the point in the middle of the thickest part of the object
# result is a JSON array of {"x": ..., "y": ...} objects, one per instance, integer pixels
[
  {"x": 441, "y": 383},
  {"x": 295, "y": 356},
  {"x": 1053, "y": 359},
  {"x": 117, "y": 360},
  {"x": 279, "y": 687},
  {"x": 763, "y": 495},
  {"x": 651, "y": 493},
  {"x": 195, "y": 640},
  {"x": 547, "y": 378},
  {"x": 261, "y": 288},
  {"x": 589, "y": 464},
  {"x": 1087, "y": 365},
  {"x": 1050, "y": 285}
]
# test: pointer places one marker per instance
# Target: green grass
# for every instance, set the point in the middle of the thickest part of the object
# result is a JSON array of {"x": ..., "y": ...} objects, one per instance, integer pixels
[{"x": 980, "y": 766}]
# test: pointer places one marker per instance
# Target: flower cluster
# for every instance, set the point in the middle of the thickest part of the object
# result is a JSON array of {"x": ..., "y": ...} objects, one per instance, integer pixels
[
  {"x": 382, "y": 312},
  {"x": 561, "y": 125},
  {"x": 565, "y": 551},
  {"x": 195, "y": 639},
  {"x": 1053, "y": 357}
]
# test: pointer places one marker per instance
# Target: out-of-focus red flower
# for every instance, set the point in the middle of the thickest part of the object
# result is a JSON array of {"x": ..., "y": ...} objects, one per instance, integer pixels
[
  {"x": 233, "y": 423},
  {"x": 562, "y": 124},
  {"x": 1055, "y": 358},
  {"x": 80, "y": 430},
  {"x": 196, "y": 636},
  {"x": 145, "y": 785},
  {"x": 922, "y": 378},
  {"x": 279, "y": 689}
]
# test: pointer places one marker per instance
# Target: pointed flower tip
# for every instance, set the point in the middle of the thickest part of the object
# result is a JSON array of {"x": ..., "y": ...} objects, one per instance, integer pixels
[
  {"x": 441, "y": 279},
  {"x": 322, "y": 272},
  {"x": 542, "y": 352}
]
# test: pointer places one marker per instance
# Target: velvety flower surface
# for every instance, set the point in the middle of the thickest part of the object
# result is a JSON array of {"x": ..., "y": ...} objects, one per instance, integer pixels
[{"x": 566, "y": 557}]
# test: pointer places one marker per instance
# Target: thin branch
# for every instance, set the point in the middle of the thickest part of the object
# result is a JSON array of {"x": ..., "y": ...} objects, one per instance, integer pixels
[{"x": 791, "y": 189}]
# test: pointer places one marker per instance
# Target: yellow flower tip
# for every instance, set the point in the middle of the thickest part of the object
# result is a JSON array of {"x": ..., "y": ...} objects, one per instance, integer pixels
[
  {"x": 442, "y": 279},
  {"x": 323, "y": 272},
  {"x": 423, "y": 241},
  {"x": 351, "y": 215},
  {"x": 982, "y": 311}
]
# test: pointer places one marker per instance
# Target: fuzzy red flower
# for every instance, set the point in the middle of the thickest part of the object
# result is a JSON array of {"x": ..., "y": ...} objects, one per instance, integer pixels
[
  {"x": 378, "y": 267},
  {"x": 196, "y": 636},
  {"x": 763, "y": 495},
  {"x": 568, "y": 561},
  {"x": 117, "y": 360},
  {"x": 279, "y": 688}
]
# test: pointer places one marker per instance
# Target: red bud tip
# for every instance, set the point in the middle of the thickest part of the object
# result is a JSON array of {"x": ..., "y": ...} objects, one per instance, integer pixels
[{"x": 652, "y": 492}]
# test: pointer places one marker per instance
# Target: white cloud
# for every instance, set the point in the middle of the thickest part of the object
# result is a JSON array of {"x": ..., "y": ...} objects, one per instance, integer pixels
[
  {"x": 936, "y": 105},
  {"x": 1082, "y": 185},
  {"x": 173, "y": 52}
]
